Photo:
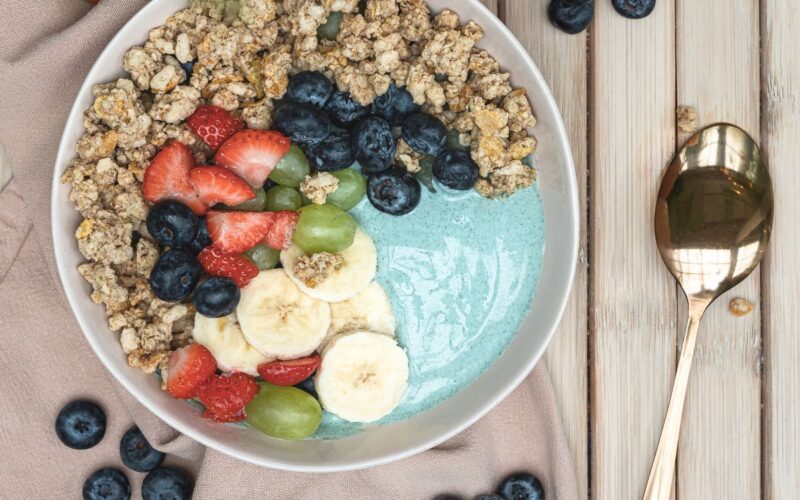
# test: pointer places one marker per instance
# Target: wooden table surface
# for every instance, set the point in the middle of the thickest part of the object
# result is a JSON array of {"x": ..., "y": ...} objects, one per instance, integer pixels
[{"x": 614, "y": 356}]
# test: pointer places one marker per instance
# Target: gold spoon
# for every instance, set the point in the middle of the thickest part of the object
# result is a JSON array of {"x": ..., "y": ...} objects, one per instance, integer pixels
[{"x": 712, "y": 223}]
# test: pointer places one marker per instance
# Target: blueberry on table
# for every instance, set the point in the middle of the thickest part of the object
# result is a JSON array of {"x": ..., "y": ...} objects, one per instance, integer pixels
[
  {"x": 395, "y": 192},
  {"x": 395, "y": 105},
  {"x": 137, "y": 454},
  {"x": 571, "y": 16},
  {"x": 80, "y": 424},
  {"x": 456, "y": 170},
  {"x": 343, "y": 110},
  {"x": 374, "y": 144},
  {"x": 309, "y": 87},
  {"x": 167, "y": 483},
  {"x": 172, "y": 224},
  {"x": 302, "y": 123},
  {"x": 334, "y": 153},
  {"x": 174, "y": 275},
  {"x": 634, "y": 9},
  {"x": 521, "y": 486},
  {"x": 216, "y": 297},
  {"x": 201, "y": 238},
  {"x": 107, "y": 484},
  {"x": 425, "y": 134}
]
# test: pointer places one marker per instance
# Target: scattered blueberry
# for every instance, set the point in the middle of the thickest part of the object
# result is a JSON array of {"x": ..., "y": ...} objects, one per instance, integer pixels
[
  {"x": 374, "y": 144},
  {"x": 424, "y": 133},
  {"x": 343, "y": 110},
  {"x": 216, "y": 297},
  {"x": 136, "y": 452},
  {"x": 172, "y": 224},
  {"x": 634, "y": 9},
  {"x": 201, "y": 239},
  {"x": 309, "y": 87},
  {"x": 302, "y": 123},
  {"x": 456, "y": 170},
  {"x": 395, "y": 105},
  {"x": 487, "y": 496},
  {"x": 521, "y": 486},
  {"x": 334, "y": 153},
  {"x": 174, "y": 275},
  {"x": 166, "y": 483},
  {"x": 80, "y": 424},
  {"x": 395, "y": 192},
  {"x": 188, "y": 67},
  {"x": 107, "y": 484},
  {"x": 308, "y": 386},
  {"x": 571, "y": 16}
]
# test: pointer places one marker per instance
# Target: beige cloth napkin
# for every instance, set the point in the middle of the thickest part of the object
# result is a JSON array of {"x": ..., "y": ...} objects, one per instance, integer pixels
[{"x": 46, "y": 49}]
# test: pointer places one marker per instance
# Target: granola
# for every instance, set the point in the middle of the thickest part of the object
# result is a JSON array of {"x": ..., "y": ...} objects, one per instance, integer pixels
[
  {"x": 318, "y": 186},
  {"x": 315, "y": 268}
]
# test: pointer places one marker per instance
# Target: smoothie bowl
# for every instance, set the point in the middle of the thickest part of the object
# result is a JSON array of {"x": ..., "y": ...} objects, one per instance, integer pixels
[{"x": 316, "y": 236}]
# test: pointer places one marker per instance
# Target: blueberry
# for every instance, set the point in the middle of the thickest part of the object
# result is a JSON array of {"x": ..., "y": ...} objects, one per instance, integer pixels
[
  {"x": 188, "y": 67},
  {"x": 634, "y": 9},
  {"x": 136, "y": 452},
  {"x": 172, "y": 224},
  {"x": 216, "y": 297},
  {"x": 343, "y": 110},
  {"x": 424, "y": 133},
  {"x": 269, "y": 183},
  {"x": 174, "y": 275},
  {"x": 302, "y": 123},
  {"x": 374, "y": 144},
  {"x": 166, "y": 483},
  {"x": 395, "y": 105},
  {"x": 571, "y": 16},
  {"x": 80, "y": 424},
  {"x": 201, "y": 239},
  {"x": 521, "y": 486},
  {"x": 334, "y": 153},
  {"x": 107, "y": 484},
  {"x": 395, "y": 192},
  {"x": 456, "y": 170},
  {"x": 309, "y": 87},
  {"x": 308, "y": 386}
]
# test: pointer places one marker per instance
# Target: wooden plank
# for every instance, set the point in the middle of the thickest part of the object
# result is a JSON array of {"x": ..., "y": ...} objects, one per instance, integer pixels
[
  {"x": 633, "y": 308},
  {"x": 781, "y": 272},
  {"x": 719, "y": 453},
  {"x": 563, "y": 62}
]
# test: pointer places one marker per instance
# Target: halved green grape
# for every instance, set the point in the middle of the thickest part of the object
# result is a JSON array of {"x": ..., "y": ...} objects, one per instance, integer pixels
[
  {"x": 350, "y": 191},
  {"x": 284, "y": 412},
  {"x": 263, "y": 256},
  {"x": 283, "y": 198},
  {"x": 330, "y": 29},
  {"x": 292, "y": 168},
  {"x": 324, "y": 228},
  {"x": 257, "y": 204}
]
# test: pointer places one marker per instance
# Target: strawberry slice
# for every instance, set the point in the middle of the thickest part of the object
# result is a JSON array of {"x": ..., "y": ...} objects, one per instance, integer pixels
[
  {"x": 219, "y": 185},
  {"x": 252, "y": 154},
  {"x": 280, "y": 234},
  {"x": 227, "y": 265},
  {"x": 225, "y": 396},
  {"x": 289, "y": 372},
  {"x": 188, "y": 368},
  {"x": 167, "y": 178},
  {"x": 213, "y": 125},
  {"x": 237, "y": 232}
]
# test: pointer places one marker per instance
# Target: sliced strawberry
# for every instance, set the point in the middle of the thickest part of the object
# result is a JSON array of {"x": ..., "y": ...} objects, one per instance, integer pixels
[
  {"x": 167, "y": 177},
  {"x": 237, "y": 232},
  {"x": 188, "y": 368},
  {"x": 213, "y": 125},
  {"x": 219, "y": 185},
  {"x": 225, "y": 396},
  {"x": 280, "y": 234},
  {"x": 227, "y": 265},
  {"x": 289, "y": 372},
  {"x": 252, "y": 154}
]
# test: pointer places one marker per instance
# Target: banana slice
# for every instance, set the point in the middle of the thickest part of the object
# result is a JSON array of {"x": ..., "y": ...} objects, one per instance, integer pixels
[
  {"x": 355, "y": 274},
  {"x": 362, "y": 377},
  {"x": 224, "y": 339},
  {"x": 369, "y": 310},
  {"x": 278, "y": 319}
]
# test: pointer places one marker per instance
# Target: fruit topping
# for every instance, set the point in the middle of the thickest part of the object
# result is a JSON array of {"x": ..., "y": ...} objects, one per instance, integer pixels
[
  {"x": 80, "y": 424},
  {"x": 571, "y": 16},
  {"x": 225, "y": 396},
  {"x": 374, "y": 144},
  {"x": 219, "y": 185},
  {"x": 279, "y": 235},
  {"x": 395, "y": 105},
  {"x": 257, "y": 204},
  {"x": 292, "y": 169},
  {"x": 253, "y": 154},
  {"x": 188, "y": 368},
  {"x": 634, "y": 9},
  {"x": 263, "y": 256},
  {"x": 137, "y": 454},
  {"x": 395, "y": 192},
  {"x": 213, "y": 125},
  {"x": 167, "y": 483},
  {"x": 217, "y": 297},
  {"x": 283, "y": 198},
  {"x": 284, "y": 412},
  {"x": 324, "y": 228},
  {"x": 456, "y": 170},
  {"x": 334, "y": 153},
  {"x": 330, "y": 29},
  {"x": 167, "y": 177},
  {"x": 424, "y": 133},
  {"x": 172, "y": 224},
  {"x": 307, "y": 385},
  {"x": 303, "y": 123},
  {"x": 224, "y": 339},
  {"x": 343, "y": 110},
  {"x": 107, "y": 484},
  {"x": 174, "y": 275},
  {"x": 291, "y": 372},
  {"x": 521, "y": 486},
  {"x": 201, "y": 238},
  {"x": 309, "y": 87},
  {"x": 349, "y": 191},
  {"x": 236, "y": 232}
]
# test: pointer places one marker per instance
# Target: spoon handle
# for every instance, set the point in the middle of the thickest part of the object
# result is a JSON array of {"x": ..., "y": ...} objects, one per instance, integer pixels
[{"x": 659, "y": 483}]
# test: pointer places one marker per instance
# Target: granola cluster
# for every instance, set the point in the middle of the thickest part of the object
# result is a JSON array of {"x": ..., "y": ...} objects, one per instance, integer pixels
[{"x": 315, "y": 268}]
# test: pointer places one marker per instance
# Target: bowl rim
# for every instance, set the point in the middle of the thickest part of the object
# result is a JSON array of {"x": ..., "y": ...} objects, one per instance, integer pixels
[{"x": 522, "y": 371}]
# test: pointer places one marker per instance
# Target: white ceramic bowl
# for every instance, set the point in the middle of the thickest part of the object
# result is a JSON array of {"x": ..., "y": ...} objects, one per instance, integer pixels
[{"x": 375, "y": 445}]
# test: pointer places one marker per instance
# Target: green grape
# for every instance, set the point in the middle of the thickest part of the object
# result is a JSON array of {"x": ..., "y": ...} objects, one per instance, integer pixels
[
  {"x": 257, "y": 204},
  {"x": 284, "y": 412},
  {"x": 283, "y": 198},
  {"x": 292, "y": 168},
  {"x": 350, "y": 190},
  {"x": 324, "y": 228},
  {"x": 330, "y": 29},
  {"x": 263, "y": 256},
  {"x": 453, "y": 144}
]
